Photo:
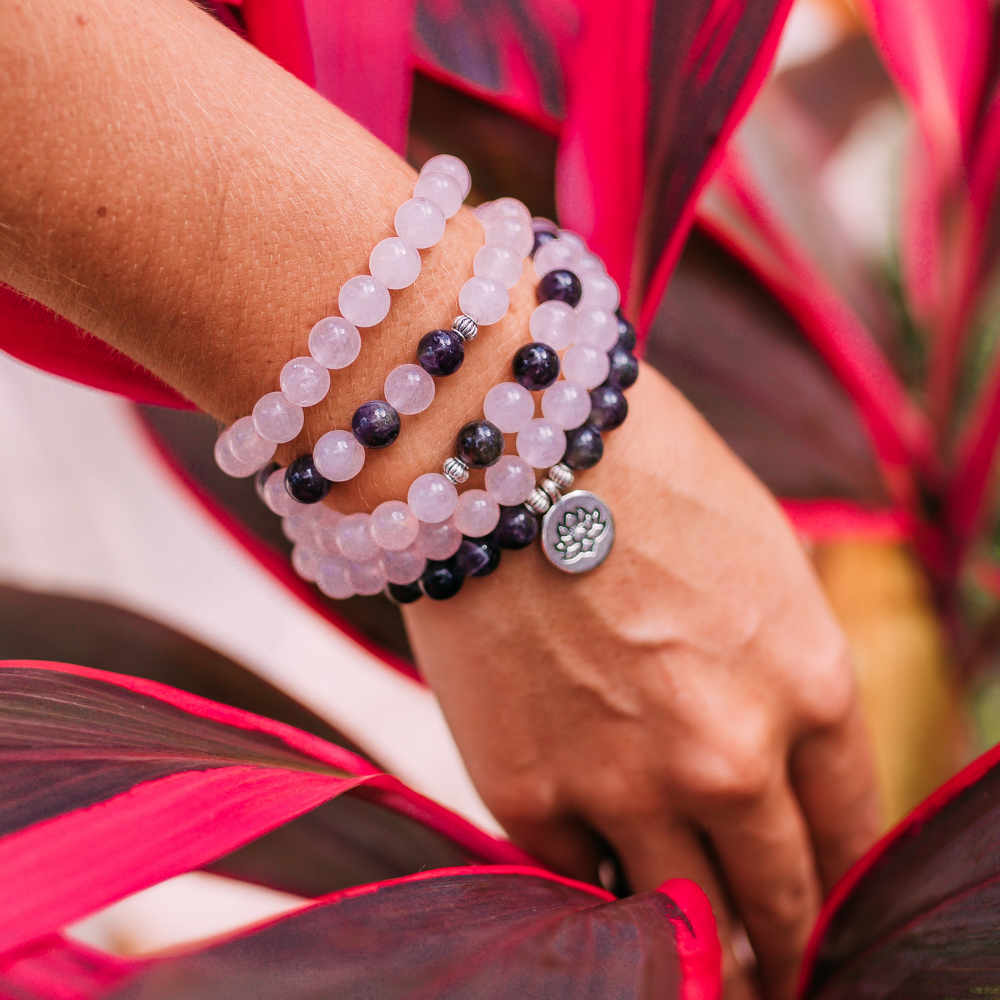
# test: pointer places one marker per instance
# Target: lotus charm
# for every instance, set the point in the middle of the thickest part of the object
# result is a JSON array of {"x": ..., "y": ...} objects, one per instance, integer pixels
[{"x": 577, "y": 532}]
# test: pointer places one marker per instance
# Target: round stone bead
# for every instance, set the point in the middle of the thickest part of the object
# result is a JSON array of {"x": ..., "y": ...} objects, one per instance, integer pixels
[
  {"x": 492, "y": 212},
  {"x": 277, "y": 418},
  {"x": 325, "y": 530},
  {"x": 331, "y": 578},
  {"x": 261, "y": 477},
  {"x": 597, "y": 327},
  {"x": 437, "y": 541},
  {"x": 441, "y": 352},
  {"x": 584, "y": 447},
  {"x": 441, "y": 188},
  {"x": 623, "y": 367},
  {"x": 562, "y": 285},
  {"x": 363, "y": 300},
  {"x": 536, "y": 366},
  {"x": 247, "y": 446},
  {"x": 573, "y": 239},
  {"x": 510, "y": 481},
  {"x": 484, "y": 299},
  {"x": 276, "y": 496},
  {"x": 626, "y": 332},
  {"x": 589, "y": 263},
  {"x": 608, "y": 407},
  {"x": 354, "y": 538},
  {"x": 393, "y": 525},
  {"x": 566, "y": 404},
  {"x": 305, "y": 562},
  {"x": 366, "y": 578},
  {"x": 478, "y": 556},
  {"x": 499, "y": 262},
  {"x": 445, "y": 163},
  {"x": 409, "y": 389},
  {"x": 338, "y": 456},
  {"x": 541, "y": 443},
  {"x": 479, "y": 444},
  {"x": 553, "y": 323},
  {"x": 432, "y": 497},
  {"x": 556, "y": 256},
  {"x": 299, "y": 529},
  {"x": 586, "y": 365},
  {"x": 305, "y": 381},
  {"x": 516, "y": 529},
  {"x": 441, "y": 580},
  {"x": 509, "y": 406},
  {"x": 420, "y": 221},
  {"x": 403, "y": 593},
  {"x": 476, "y": 514},
  {"x": 542, "y": 236},
  {"x": 599, "y": 292},
  {"x": 334, "y": 342},
  {"x": 403, "y": 567},
  {"x": 395, "y": 262},
  {"x": 304, "y": 482},
  {"x": 375, "y": 424},
  {"x": 515, "y": 233},
  {"x": 228, "y": 462}
]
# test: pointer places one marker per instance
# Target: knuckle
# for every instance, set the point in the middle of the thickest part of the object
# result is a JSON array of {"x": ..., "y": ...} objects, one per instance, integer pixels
[{"x": 828, "y": 697}]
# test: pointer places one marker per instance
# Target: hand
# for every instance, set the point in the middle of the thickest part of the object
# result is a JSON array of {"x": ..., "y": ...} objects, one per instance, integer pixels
[{"x": 691, "y": 701}]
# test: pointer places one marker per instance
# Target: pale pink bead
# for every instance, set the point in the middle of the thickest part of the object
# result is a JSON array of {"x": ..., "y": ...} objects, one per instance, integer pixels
[
  {"x": 542, "y": 443},
  {"x": 334, "y": 342},
  {"x": 228, "y": 462},
  {"x": 277, "y": 418},
  {"x": 331, "y": 578},
  {"x": 305, "y": 562},
  {"x": 597, "y": 327},
  {"x": 500, "y": 262},
  {"x": 395, "y": 262},
  {"x": 438, "y": 541},
  {"x": 338, "y": 456},
  {"x": 420, "y": 221},
  {"x": 510, "y": 406},
  {"x": 432, "y": 497},
  {"x": 393, "y": 525},
  {"x": 367, "y": 577},
  {"x": 276, "y": 496},
  {"x": 364, "y": 300},
  {"x": 445, "y": 163},
  {"x": 406, "y": 566},
  {"x": 516, "y": 233},
  {"x": 442, "y": 189},
  {"x": 298, "y": 528},
  {"x": 540, "y": 224},
  {"x": 354, "y": 538},
  {"x": 325, "y": 532},
  {"x": 503, "y": 208},
  {"x": 409, "y": 389},
  {"x": 484, "y": 299},
  {"x": 247, "y": 446},
  {"x": 573, "y": 239},
  {"x": 556, "y": 255},
  {"x": 566, "y": 404},
  {"x": 476, "y": 514},
  {"x": 599, "y": 292},
  {"x": 305, "y": 381},
  {"x": 589, "y": 263},
  {"x": 586, "y": 365},
  {"x": 553, "y": 323},
  {"x": 510, "y": 480}
]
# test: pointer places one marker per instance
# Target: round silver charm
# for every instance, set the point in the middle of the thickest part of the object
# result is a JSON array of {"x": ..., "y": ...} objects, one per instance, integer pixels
[{"x": 578, "y": 532}]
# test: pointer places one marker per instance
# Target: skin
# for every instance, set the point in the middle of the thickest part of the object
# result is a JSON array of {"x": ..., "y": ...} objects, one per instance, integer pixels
[{"x": 691, "y": 703}]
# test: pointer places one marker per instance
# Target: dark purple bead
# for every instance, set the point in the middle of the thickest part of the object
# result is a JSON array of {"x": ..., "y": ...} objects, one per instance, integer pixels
[
  {"x": 542, "y": 236},
  {"x": 624, "y": 367},
  {"x": 536, "y": 366},
  {"x": 304, "y": 482},
  {"x": 404, "y": 593},
  {"x": 516, "y": 529},
  {"x": 584, "y": 447},
  {"x": 261, "y": 478},
  {"x": 562, "y": 285},
  {"x": 375, "y": 424},
  {"x": 440, "y": 352},
  {"x": 478, "y": 556},
  {"x": 479, "y": 444},
  {"x": 442, "y": 579},
  {"x": 626, "y": 333},
  {"x": 608, "y": 407}
]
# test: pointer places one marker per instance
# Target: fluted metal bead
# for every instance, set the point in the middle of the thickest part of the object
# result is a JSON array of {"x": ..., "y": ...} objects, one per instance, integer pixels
[
  {"x": 466, "y": 327},
  {"x": 562, "y": 476},
  {"x": 538, "y": 501},
  {"x": 456, "y": 470},
  {"x": 551, "y": 490}
]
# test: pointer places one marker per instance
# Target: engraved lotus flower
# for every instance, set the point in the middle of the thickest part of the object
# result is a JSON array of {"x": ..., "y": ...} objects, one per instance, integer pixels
[{"x": 579, "y": 531}]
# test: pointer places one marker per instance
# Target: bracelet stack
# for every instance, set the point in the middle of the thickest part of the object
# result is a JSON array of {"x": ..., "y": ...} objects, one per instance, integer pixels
[{"x": 429, "y": 544}]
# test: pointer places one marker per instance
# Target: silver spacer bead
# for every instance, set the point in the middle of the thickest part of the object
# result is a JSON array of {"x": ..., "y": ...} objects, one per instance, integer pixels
[
  {"x": 561, "y": 475},
  {"x": 551, "y": 490},
  {"x": 456, "y": 470},
  {"x": 466, "y": 327},
  {"x": 538, "y": 502}
]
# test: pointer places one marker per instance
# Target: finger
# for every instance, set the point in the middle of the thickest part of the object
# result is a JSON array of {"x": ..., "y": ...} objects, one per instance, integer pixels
[
  {"x": 767, "y": 857},
  {"x": 563, "y": 843},
  {"x": 834, "y": 780}
]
